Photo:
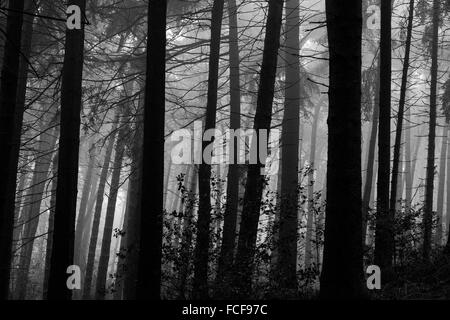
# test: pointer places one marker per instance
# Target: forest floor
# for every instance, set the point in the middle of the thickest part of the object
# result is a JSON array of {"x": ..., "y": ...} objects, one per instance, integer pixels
[{"x": 419, "y": 281}]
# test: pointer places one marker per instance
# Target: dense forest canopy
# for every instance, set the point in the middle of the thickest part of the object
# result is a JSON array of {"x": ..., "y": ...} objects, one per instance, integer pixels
[{"x": 212, "y": 149}]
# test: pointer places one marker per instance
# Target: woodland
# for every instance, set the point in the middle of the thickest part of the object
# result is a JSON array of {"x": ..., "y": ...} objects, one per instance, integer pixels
[{"x": 341, "y": 109}]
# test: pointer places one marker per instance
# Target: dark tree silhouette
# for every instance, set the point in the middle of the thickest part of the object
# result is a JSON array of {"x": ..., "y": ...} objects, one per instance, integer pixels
[
  {"x": 384, "y": 237},
  {"x": 290, "y": 135},
  {"x": 69, "y": 141},
  {"x": 229, "y": 225},
  {"x": 9, "y": 137},
  {"x": 400, "y": 114},
  {"x": 149, "y": 264},
  {"x": 342, "y": 272},
  {"x": 429, "y": 183},
  {"x": 255, "y": 181},
  {"x": 200, "y": 286}
]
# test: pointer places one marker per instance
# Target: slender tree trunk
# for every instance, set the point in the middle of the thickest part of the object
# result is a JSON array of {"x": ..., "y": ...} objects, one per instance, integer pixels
[
  {"x": 103, "y": 264},
  {"x": 51, "y": 220},
  {"x": 400, "y": 116},
  {"x": 290, "y": 135},
  {"x": 368, "y": 184},
  {"x": 429, "y": 183},
  {"x": 342, "y": 271},
  {"x": 18, "y": 222},
  {"x": 10, "y": 125},
  {"x": 34, "y": 199},
  {"x": 442, "y": 176},
  {"x": 85, "y": 239},
  {"x": 121, "y": 254},
  {"x": 408, "y": 164},
  {"x": 66, "y": 191},
  {"x": 447, "y": 248},
  {"x": 133, "y": 218},
  {"x": 179, "y": 221},
  {"x": 255, "y": 181},
  {"x": 97, "y": 214},
  {"x": 151, "y": 213},
  {"x": 186, "y": 242},
  {"x": 231, "y": 208},
  {"x": 310, "y": 218},
  {"x": 27, "y": 37},
  {"x": 200, "y": 286},
  {"x": 384, "y": 220},
  {"x": 166, "y": 183},
  {"x": 82, "y": 213},
  {"x": 414, "y": 159}
]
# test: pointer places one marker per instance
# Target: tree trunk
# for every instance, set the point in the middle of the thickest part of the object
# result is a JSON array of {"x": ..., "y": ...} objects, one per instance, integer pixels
[
  {"x": 255, "y": 182},
  {"x": 441, "y": 187},
  {"x": 66, "y": 191},
  {"x": 429, "y": 183},
  {"x": 200, "y": 286},
  {"x": 97, "y": 214},
  {"x": 400, "y": 116},
  {"x": 166, "y": 184},
  {"x": 342, "y": 272},
  {"x": 10, "y": 125},
  {"x": 186, "y": 242},
  {"x": 86, "y": 233},
  {"x": 408, "y": 164},
  {"x": 32, "y": 211},
  {"x": 27, "y": 37},
  {"x": 18, "y": 221},
  {"x": 133, "y": 218},
  {"x": 149, "y": 264},
  {"x": 51, "y": 220},
  {"x": 231, "y": 207},
  {"x": 447, "y": 249},
  {"x": 368, "y": 184},
  {"x": 103, "y": 264},
  {"x": 287, "y": 241},
  {"x": 82, "y": 213},
  {"x": 384, "y": 237},
  {"x": 310, "y": 218}
]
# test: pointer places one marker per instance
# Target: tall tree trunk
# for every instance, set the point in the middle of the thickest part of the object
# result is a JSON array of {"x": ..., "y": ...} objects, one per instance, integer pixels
[
  {"x": 103, "y": 263},
  {"x": 18, "y": 221},
  {"x": 342, "y": 272},
  {"x": 200, "y": 286},
  {"x": 255, "y": 181},
  {"x": 132, "y": 216},
  {"x": 186, "y": 242},
  {"x": 231, "y": 207},
  {"x": 447, "y": 248},
  {"x": 429, "y": 183},
  {"x": 86, "y": 233},
  {"x": 384, "y": 220},
  {"x": 441, "y": 187},
  {"x": 310, "y": 218},
  {"x": 368, "y": 183},
  {"x": 97, "y": 214},
  {"x": 51, "y": 220},
  {"x": 27, "y": 35},
  {"x": 287, "y": 241},
  {"x": 82, "y": 213},
  {"x": 66, "y": 191},
  {"x": 32, "y": 211},
  {"x": 149, "y": 265},
  {"x": 10, "y": 124},
  {"x": 408, "y": 164},
  {"x": 400, "y": 115},
  {"x": 166, "y": 183}
]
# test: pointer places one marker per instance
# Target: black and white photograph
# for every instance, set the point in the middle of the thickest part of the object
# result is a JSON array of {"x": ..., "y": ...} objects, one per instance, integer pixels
[{"x": 202, "y": 151}]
